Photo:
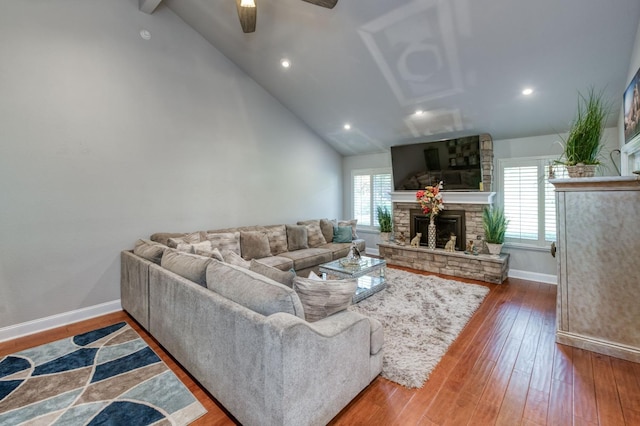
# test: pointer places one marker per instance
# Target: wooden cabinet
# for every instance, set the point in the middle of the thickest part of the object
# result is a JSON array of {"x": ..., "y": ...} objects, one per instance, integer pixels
[{"x": 598, "y": 239}]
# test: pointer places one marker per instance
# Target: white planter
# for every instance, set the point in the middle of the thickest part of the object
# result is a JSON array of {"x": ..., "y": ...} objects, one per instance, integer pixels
[
  {"x": 494, "y": 249},
  {"x": 384, "y": 237}
]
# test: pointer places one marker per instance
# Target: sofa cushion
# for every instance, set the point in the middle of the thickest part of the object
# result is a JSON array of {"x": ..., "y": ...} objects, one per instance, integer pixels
[
  {"x": 225, "y": 241},
  {"x": 233, "y": 258},
  {"x": 149, "y": 250},
  {"x": 204, "y": 248},
  {"x": 280, "y": 262},
  {"x": 189, "y": 266},
  {"x": 297, "y": 237},
  {"x": 252, "y": 290},
  {"x": 321, "y": 298},
  {"x": 277, "y": 235},
  {"x": 338, "y": 250},
  {"x": 315, "y": 238},
  {"x": 327, "y": 229},
  {"x": 283, "y": 277},
  {"x": 342, "y": 234},
  {"x": 254, "y": 245},
  {"x": 308, "y": 258}
]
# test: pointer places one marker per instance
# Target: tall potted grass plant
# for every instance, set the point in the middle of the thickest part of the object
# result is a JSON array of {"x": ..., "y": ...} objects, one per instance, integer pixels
[
  {"x": 495, "y": 224},
  {"x": 583, "y": 145},
  {"x": 386, "y": 223}
]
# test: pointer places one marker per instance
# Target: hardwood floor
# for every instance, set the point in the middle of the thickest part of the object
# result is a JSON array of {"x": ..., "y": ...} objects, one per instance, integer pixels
[{"x": 505, "y": 369}]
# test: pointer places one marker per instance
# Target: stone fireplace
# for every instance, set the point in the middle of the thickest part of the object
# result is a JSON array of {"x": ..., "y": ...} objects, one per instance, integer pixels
[{"x": 462, "y": 216}]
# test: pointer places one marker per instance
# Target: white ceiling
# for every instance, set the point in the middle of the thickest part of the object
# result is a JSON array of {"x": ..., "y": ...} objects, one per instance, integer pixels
[{"x": 373, "y": 63}]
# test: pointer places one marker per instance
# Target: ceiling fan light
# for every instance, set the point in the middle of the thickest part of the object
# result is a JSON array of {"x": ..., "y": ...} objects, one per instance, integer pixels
[{"x": 247, "y": 3}]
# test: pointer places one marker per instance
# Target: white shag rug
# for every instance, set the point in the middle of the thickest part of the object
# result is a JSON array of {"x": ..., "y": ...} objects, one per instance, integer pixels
[{"x": 421, "y": 316}]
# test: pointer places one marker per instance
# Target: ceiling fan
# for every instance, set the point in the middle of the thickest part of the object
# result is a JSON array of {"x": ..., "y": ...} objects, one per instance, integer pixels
[{"x": 247, "y": 11}]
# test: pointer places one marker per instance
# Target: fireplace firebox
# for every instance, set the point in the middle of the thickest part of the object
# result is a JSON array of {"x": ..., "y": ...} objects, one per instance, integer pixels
[{"x": 447, "y": 222}]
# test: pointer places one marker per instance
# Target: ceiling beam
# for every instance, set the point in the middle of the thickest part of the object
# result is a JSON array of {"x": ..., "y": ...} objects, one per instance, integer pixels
[{"x": 148, "y": 6}]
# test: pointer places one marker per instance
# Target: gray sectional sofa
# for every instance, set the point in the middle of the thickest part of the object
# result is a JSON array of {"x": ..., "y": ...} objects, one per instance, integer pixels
[{"x": 244, "y": 336}]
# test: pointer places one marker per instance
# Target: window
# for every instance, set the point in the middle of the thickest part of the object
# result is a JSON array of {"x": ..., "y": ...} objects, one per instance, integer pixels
[
  {"x": 371, "y": 188},
  {"x": 529, "y": 199}
]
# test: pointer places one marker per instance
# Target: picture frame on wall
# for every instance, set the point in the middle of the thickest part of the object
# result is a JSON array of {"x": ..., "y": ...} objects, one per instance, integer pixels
[{"x": 632, "y": 109}]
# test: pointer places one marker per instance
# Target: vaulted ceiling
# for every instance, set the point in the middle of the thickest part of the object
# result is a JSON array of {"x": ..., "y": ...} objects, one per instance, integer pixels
[{"x": 374, "y": 63}]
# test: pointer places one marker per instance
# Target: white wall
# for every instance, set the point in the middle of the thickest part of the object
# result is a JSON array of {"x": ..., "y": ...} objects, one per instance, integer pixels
[
  {"x": 106, "y": 138},
  {"x": 535, "y": 263}
]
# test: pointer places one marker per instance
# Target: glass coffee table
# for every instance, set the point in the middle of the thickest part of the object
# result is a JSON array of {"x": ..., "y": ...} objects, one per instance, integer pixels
[{"x": 368, "y": 270}]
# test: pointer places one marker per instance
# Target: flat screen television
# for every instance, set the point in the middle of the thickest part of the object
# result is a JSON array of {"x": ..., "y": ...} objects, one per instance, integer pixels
[{"x": 455, "y": 162}]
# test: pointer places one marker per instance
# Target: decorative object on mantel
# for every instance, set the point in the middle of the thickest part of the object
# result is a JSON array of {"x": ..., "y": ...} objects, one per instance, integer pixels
[
  {"x": 386, "y": 223},
  {"x": 583, "y": 146},
  {"x": 431, "y": 203},
  {"x": 401, "y": 239},
  {"x": 495, "y": 226},
  {"x": 451, "y": 244},
  {"x": 421, "y": 316},
  {"x": 415, "y": 242},
  {"x": 469, "y": 249}
]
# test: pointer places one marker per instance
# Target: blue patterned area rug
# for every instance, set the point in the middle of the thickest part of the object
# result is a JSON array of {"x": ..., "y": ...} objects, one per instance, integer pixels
[{"x": 107, "y": 376}]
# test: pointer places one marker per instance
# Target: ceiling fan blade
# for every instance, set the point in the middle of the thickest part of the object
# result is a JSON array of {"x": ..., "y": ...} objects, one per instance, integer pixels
[
  {"x": 329, "y": 4},
  {"x": 247, "y": 17}
]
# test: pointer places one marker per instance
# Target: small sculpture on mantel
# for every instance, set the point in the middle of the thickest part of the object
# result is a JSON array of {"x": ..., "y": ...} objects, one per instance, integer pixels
[
  {"x": 401, "y": 239},
  {"x": 415, "y": 242},
  {"x": 451, "y": 244},
  {"x": 469, "y": 249}
]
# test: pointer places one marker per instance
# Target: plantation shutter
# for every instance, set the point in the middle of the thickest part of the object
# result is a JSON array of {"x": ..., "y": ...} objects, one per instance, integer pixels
[
  {"x": 521, "y": 201},
  {"x": 381, "y": 194},
  {"x": 362, "y": 199},
  {"x": 370, "y": 190},
  {"x": 550, "y": 202}
]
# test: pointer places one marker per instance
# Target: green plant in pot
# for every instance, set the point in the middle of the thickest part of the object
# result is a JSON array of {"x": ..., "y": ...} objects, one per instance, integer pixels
[
  {"x": 495, "y": 224},
  {"x": 584, "y": 144},
  {"x": 386, "y": 224}
]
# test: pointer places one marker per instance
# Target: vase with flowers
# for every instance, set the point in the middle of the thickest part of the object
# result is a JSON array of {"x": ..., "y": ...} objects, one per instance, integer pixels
[{"x": 431, "y": 203}]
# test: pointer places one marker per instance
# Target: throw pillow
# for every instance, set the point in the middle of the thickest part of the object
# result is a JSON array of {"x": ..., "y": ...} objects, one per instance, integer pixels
[
  {"x": 352, "y": 223},
  {"x": 327, "y": 229},
  {"x": 191, "y": 238},
  {"x": 277, "y": 235},
  {"x": 225, "y": 241},
  {"x": 322, "y": 298},
  {"x": 205, "y": 248},
  {"x": 149, "y": 250},
  {"x": 297, "y": 237},
  {"x": 342, "y": 234},
  {"x": 283, "y": 277},
  {"x": 189, "y": 266},
  {"x": 254, "y": 245},
  {"x": 315, "y": 238},
  {"x": 233, "y": 258},
  {"x": 179, "y": 244}
]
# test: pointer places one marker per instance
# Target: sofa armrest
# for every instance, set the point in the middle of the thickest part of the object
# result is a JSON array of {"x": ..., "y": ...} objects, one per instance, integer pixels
[
  {"x": 134, "y": 286},
  {"x": 319, "y": 367}
]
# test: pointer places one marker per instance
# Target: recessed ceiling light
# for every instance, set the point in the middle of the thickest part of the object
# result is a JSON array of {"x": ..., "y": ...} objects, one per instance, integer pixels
[
  {"x": 347, "y": 126},
  {"x": 285, "y": 63},
  {"x": 419, "y": 112},
  {"x": 527, "y": 91},
  {"x": 145, "y": 34}
]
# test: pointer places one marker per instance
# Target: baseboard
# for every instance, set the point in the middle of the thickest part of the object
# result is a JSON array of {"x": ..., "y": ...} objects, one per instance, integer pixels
[
  {"x": 533, "y": 276},
  {"x": 59, "y": 320}
]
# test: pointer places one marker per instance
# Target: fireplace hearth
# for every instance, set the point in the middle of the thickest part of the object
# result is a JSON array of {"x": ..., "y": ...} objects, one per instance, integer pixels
[{"x": 447, "y": 222}]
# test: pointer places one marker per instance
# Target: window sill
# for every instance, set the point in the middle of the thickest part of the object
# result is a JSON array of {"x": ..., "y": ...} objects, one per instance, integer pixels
[{"x": 530, "y": 247}]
